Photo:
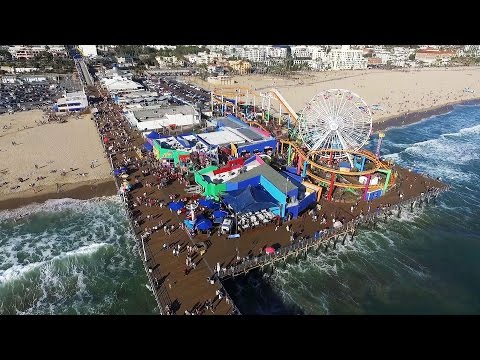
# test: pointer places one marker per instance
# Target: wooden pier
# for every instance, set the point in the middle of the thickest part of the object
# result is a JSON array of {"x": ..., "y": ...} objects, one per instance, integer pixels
[{"x": 179, "y": 292}]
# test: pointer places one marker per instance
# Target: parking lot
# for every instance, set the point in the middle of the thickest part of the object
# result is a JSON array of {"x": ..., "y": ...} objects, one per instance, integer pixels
[
  {"x": 27, "y": 96},
  {"x": 178, "y": 90}
]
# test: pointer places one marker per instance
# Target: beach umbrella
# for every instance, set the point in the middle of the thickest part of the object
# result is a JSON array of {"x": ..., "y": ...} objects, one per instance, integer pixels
[
  {"x": 188, "y": 223},
  {"x": 220, "y": 213},
  {"x": 204, "y": 202},
  {"x": 205, "y": 224},
  {"x": 176, "y": 205},
  {"x": 210, "y": 204},
  {"x": 214, "y": 206},
  {"x": 269, "y": 250},
  {"x": 337, "y": 224}
]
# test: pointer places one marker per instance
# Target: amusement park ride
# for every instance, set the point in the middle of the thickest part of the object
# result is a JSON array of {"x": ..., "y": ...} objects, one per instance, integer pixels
[{"x": 325, "y": 141}]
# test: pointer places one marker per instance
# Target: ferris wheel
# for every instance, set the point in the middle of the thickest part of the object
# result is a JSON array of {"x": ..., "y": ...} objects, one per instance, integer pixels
[{"x": 335, "y": 119}]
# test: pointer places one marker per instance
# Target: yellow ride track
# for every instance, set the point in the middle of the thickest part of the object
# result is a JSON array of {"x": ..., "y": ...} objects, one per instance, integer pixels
[{"x": 312, "y": 163}]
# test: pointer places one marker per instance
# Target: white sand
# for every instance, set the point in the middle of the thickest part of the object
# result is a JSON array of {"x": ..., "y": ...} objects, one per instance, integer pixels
[
  {"x": 395, "y": 91},
  {"x": 52, "y": 147}
]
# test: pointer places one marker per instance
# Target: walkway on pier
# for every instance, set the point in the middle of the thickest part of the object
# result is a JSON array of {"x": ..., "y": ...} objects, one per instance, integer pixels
[
  {"x": 166, "y": 272},
  {"x": 173, "y": 288}
]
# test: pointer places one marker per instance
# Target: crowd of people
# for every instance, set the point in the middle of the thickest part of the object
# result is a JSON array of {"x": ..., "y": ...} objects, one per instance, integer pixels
[{"x": 151, "y": 175}]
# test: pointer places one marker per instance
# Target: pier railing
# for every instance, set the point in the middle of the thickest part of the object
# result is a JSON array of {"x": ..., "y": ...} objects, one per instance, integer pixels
[
  {"x": 326, "y": 236},
  {"x": 160, "y": 292},
  {"x": 296, "y": 247}
]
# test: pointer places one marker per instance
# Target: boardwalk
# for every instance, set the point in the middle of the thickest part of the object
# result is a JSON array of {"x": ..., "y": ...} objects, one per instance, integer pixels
[{"x": 178, "y": 292}]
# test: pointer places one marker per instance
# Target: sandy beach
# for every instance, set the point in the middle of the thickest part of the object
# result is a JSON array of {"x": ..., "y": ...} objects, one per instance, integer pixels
[
  {"x": 42, "y": 152},
  {"x": 396, "y": 92}
]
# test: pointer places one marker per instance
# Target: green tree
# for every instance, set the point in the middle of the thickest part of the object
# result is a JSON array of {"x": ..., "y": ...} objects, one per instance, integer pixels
[{"x": 5, "y": 55}]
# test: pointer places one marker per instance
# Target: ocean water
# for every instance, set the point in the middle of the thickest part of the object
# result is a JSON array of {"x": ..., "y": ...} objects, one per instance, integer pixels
[
  {"x": 78, "y": 257},
  {"x": 425, "y": 262},
  {"x": 71, "y": 257}
]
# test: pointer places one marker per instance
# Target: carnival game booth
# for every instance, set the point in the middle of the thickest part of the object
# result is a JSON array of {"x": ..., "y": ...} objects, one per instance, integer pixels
[
  {"x": 287, "y": 195},
  {"x": 168, "y": 148}
]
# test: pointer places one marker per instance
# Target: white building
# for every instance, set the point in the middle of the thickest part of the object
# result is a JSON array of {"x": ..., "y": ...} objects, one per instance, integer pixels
[
  {"x": 301, "y": 51},
  {"x": 254, "y": 54},
  {"x": 120, "y": 85},
  {"x": 88, "y": 50},
  {"x": 57, "y": 50},
  {"x": 34, "y": 78},
  {"x": 106, "y": 47},
  {"x": 319, "y": 53},
  {"x": 162, "y": 118},
  {"x": 345, "y": 58},
  {"x": 169, "y": 61},
  {"x": 205, "y": 58},
  {"x": 73, "y": 101},
  {"x": 9, "y": 79},
  {"x": 276, "y": 52},
  {"x": 25, "y": 51},
  {"x": 19, "y": 70},
  {"x": 163, "y": 47},
  {"x": 472, "y": 50}
]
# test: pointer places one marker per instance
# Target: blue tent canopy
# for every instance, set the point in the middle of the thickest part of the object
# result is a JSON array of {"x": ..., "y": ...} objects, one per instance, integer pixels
[
  {"x": 204, "y": 224},
  {"x": 147, "y": 146},
  {"x": 209, "y": 204},
  {"x": 220, "y": 213},
  {"x": 120, "y": 170},
  {"x": 176, "y": 205},
  {"x": 204, "y": 202},
  {"x": 218, "y": 216},
  {"x": 154, "y": 135},
  {"x": 251, "y": 198}
]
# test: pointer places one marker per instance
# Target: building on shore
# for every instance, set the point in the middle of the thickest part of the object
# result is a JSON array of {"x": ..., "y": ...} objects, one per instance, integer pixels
[
  {"x": 25, "y": 52},
  {"x": 430, "y": 56},
  {"x": 88, "y": 50},
  {"x": 240, "y": 67},
  {"x": 220, "y": 80},
  {"x": 345, "y": 58},
  {"x": 71, "y": 101},
  {"x": 118, "y": 85},
  {"x": 163, "y": 118}
]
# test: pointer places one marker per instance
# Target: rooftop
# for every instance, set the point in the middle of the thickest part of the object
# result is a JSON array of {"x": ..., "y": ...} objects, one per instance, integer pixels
[
  {"x": 277, "y": 179},
  {"x": 119, "y": 83},
  {"x": 221, "y": 137},
  {"x": 160, "y": 112}
]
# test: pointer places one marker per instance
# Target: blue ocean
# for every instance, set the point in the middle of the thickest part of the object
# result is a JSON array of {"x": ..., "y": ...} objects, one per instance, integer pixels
[
  {"x": 78, "y": 257},
  {"x": 71, "y": 257},
  {"x": 425, "y": 262}
]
